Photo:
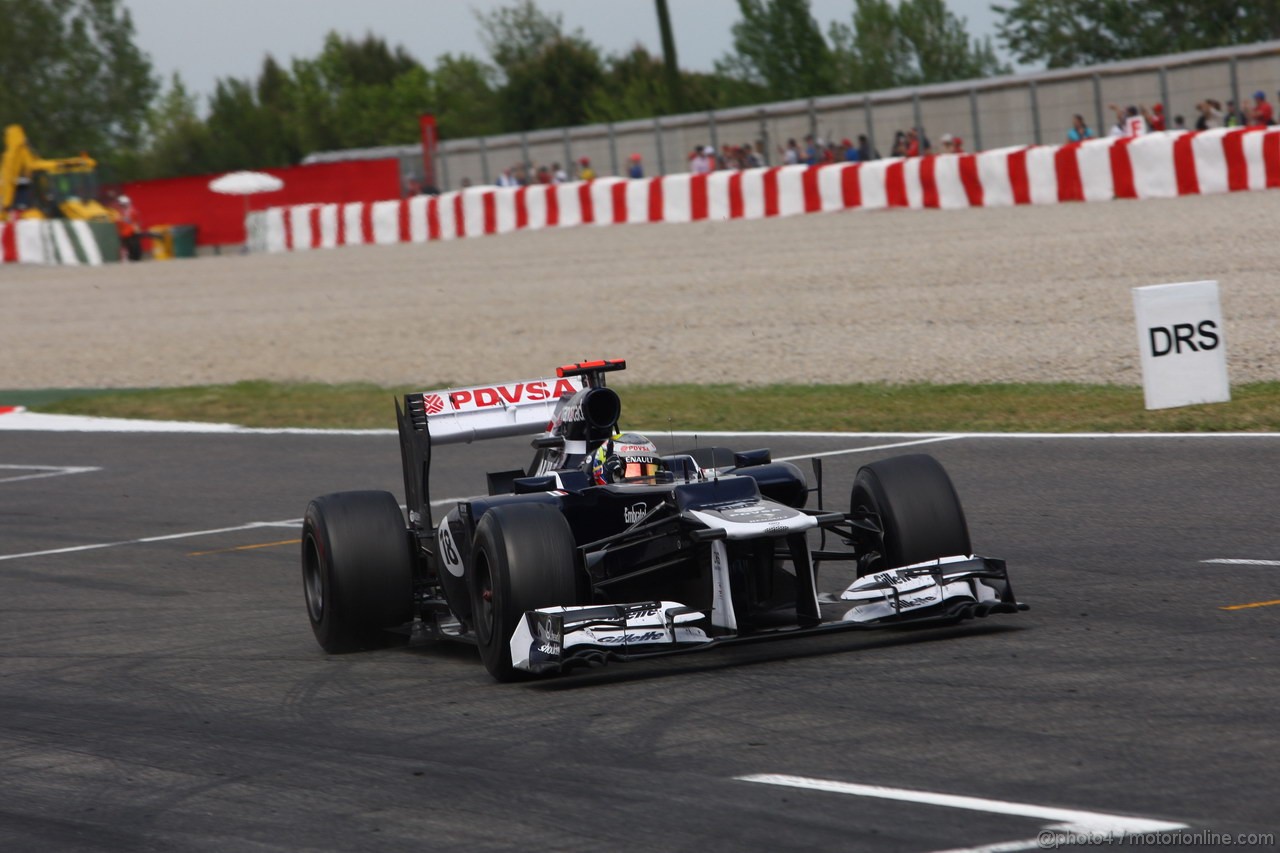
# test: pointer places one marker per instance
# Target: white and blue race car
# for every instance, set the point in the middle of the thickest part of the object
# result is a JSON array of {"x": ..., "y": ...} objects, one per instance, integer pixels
[{"x": 570, "y": 562}]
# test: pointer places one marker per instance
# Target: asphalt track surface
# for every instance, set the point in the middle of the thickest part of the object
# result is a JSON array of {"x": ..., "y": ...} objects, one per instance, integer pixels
[{"x": 168, "y": 695}]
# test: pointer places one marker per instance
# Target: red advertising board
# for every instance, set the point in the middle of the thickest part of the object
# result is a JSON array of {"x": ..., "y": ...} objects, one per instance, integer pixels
[{"x": 219, "y": 219}]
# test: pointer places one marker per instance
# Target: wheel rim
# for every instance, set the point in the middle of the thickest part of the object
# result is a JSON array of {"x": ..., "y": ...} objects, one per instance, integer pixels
[{"x": 313, "y": 583}]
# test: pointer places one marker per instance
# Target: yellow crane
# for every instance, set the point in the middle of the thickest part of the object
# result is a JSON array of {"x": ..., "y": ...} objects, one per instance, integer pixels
[{"x": 32, "y": 187}]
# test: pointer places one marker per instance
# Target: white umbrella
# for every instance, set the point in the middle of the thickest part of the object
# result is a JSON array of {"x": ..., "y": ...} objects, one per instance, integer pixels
[{"x": 246, "y": 184}]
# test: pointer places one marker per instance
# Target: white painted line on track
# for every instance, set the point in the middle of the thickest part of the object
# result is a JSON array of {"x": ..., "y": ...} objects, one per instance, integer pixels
[
  {"x": 1064, "y": 820},
  {"x": 44, "y": 471},
  {"x": 1228, "y": 561},
  {"x": 97, "y": 546},
  {"x": 932, "y": 440}
]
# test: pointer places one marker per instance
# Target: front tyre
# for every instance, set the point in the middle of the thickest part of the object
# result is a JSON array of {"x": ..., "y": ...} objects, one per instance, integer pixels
[
  {"x": 523, "y": 558},
  {"x": 357, "y": 570},
  {"x": 919, "y": 510}
]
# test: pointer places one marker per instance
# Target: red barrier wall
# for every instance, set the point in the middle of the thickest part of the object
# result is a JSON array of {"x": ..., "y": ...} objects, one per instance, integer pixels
[{"x": 219, "y": 219}]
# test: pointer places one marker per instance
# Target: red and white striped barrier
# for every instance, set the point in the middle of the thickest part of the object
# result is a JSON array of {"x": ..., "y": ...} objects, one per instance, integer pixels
[
  {"x": 1157, "y": 165},
  {"x": 67, "y": 242}
]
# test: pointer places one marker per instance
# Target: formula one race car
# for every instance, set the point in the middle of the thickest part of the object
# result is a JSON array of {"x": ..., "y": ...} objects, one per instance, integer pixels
[{"x": 604, "y": 550}]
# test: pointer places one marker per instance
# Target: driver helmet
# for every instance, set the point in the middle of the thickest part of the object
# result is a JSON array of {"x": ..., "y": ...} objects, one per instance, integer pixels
[{"x": 626, "y": 458}]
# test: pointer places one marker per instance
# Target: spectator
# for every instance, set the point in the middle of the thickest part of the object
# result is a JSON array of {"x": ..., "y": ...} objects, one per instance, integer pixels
[
  {"x": 750, "y": 159},
  {"x": 1154, "y": 118},
  {"x": 701, "y": 163},
  {"x": 1233, "y": 117},
  {"x": 899, "y": 148},
  {"x": 635, "y": 169},
  {"x": 917, "y": 143},
  {"x": 790, "y": 154},
  {"x": 1179, "y": 123},
  {"x": 1129, "y": 122},
  {"x": 866, "y": 151},
  {"x": 544, "y": 175},
  {"x": 812, "y": 155},
  {"x": 1262, "y": 114},
  {"x": 507, "y": 179},
  {"x": 948, "y": 144},
  {"x": 851, "y": 154},
  {"x": 558, "y": 175},
  {"x": 129, "y": 226},
  {"x": 585, "y": 172},
  {"x": 1079, "y": 131},
  {"x": 1210, "y": 114}
]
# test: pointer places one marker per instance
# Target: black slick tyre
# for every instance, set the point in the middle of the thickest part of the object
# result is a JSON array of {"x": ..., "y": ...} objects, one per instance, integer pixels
[
  {"x": 522, "y": 559},
  {"x": 357, "y": 571},
  {"x": 918, "y": 506}
]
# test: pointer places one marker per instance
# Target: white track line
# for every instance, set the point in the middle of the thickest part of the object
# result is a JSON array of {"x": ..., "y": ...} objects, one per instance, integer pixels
[
  {"x": 1227, "y": 561},
  {"x": 1065, "y": 820},
  {"x": 45, "y": 471},
  {"x": 930, "y": 440},
  {"x": 188, "y": 535}
]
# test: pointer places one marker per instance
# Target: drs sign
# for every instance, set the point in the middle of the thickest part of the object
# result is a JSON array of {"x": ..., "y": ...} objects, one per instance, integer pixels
[{"x": 1180, "y": 337}]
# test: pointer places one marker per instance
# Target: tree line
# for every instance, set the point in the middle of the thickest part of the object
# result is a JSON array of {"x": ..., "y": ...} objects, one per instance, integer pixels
[{"x": 77, "y": 81}]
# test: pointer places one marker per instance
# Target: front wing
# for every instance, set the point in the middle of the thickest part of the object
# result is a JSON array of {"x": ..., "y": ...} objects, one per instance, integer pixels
[{"x": 552, "y": 639}]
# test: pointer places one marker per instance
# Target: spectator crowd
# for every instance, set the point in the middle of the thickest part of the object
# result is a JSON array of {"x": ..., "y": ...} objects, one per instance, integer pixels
[{"x": 1133, "y": 120}]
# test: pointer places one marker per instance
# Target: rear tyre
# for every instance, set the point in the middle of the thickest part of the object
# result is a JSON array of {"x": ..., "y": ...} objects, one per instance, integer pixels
[
  {"x": 523, "y": 559},
  {"x": 919, "y": 510},
  {"x": 357, "y": 571}
]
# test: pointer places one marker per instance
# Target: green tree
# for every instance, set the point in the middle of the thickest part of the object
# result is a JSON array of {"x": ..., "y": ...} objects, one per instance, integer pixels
[
  {"x": 549, "y": 77},
  {"x": 357, "y": 94},
  {"x": 635, "y": 85},
  {"x": 779, "y": 46},
  {"x": 939, "y": 46},
  {"x": 517, "y": 34},
  {"x": 553, "y": 88},
  {"x": 73, "y": 76},
  {"x": 871, "y": 52},
  {"x": 241, "y": 135},
  {"x": 179, "y": 139},
  {"x": 917, "y": 42},
  {"x": 464, "y": 98},
  {"x": 1068, "y": 33}
]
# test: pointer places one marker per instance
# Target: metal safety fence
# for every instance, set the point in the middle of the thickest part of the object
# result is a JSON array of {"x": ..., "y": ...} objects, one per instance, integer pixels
[{"x": 991, "y": 113}]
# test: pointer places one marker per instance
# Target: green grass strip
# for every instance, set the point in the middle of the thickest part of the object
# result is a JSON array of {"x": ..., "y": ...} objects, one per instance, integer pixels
[{"x": 854, "y": 408}]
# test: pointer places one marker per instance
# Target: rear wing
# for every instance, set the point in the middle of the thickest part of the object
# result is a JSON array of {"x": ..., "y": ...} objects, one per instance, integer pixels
[{"x": 463, "y": 415}]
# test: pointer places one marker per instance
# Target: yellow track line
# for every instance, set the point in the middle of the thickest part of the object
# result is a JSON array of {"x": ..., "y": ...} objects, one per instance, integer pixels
[
  {"x": 1253, "y": 604},
  {"x": 246, "y": 547}
]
